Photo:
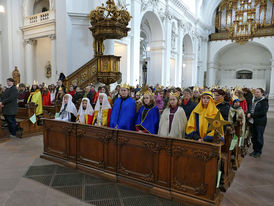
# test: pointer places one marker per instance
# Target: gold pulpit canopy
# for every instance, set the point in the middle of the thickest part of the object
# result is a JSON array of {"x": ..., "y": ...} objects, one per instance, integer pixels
[{"x": 109, "y": 22}]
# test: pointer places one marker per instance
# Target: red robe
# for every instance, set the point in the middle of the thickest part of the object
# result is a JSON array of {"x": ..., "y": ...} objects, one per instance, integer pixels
[{"x": 46, "y": 99}]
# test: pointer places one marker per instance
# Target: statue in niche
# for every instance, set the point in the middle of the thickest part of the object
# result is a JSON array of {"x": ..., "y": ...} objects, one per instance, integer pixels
[
  {"x": 48, "y": 70},
  {"x": 16, "y": 75}
]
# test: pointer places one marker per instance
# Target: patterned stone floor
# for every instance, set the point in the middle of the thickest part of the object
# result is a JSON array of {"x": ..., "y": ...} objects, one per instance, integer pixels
[{"x": 253, "y": 184}]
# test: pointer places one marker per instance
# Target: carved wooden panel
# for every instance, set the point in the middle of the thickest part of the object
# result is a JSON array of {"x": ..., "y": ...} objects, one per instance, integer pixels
[
  {"x": 135, "y": 158},
  {"x": 194, "y": 167},
  {"x": 57, "y": 137},
  {"x": 177, "y": 166}
]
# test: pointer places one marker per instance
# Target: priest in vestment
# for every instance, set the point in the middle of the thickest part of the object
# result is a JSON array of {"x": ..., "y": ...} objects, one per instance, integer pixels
[
  {"x": 123, "y": 111},
  {"x": 36, "y": 97},
  {"x": 85, "y": 112}
]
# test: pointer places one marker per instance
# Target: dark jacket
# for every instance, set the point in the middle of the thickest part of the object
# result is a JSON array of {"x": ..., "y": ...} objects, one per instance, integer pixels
[
  {"x": 260, "y": 111},
  {"x": 9, "y": 100},
  {"x": 224, "y": 109},
  {"x": 77, "y": 96},
  {"x": 248, "y": 97},
  {"x": 188, "y": 107}
]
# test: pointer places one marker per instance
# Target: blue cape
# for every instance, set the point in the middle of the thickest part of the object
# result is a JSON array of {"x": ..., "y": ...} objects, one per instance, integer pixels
[
  {"x": 126, "y": 118},
  {"x": 151, "y": 121}
]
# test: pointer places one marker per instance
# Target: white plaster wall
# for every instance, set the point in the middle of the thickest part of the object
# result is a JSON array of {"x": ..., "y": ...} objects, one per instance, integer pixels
[
  {"x": 43, "y": 56},
  {"x": 122, "y": 51},
  {"x": 227, "y": 58}
]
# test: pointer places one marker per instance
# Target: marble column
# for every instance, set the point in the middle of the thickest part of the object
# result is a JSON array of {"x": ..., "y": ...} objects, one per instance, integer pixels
[
  {"x": 211, "y": 74},
  {"x": 54, "y": 72},
  {"x": 29, "y": 60},
  {"x": 271, "y": 92}
]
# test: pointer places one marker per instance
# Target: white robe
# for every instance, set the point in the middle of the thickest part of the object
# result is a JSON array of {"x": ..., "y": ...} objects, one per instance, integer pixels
[{"x": 178, "y": 125}]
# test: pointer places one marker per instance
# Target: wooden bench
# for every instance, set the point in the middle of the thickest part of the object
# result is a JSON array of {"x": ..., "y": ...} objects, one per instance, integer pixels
[
  {"x": 27, "y": 128},
  {"x": 180, "y": 169},
  {"x": 4, "y": 133},
  {"x": 50, "y": 111},
  {"x": 227, "y": 171}
]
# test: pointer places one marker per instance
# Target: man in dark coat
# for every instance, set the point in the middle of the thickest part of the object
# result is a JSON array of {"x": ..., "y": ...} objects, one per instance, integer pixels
[
  {"x": 9, "y": 104},
  {"x": 187, "y": 104}
]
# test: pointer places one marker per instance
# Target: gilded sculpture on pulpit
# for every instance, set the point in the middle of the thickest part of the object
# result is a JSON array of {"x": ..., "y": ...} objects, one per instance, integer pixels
[
  {"x": 48, "y": 70},
  {"x": 16, "y": 76}
]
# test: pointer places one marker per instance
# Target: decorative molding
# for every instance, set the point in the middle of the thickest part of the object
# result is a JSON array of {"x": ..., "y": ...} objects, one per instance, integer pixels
[
  {"x": 204, "y": 156},
  {"x": 52, "y": 36}
]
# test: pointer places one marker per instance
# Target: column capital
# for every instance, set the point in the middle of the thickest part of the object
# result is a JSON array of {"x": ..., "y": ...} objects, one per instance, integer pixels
[
  {"x": 29, "y": 42},
  {"x": 52, "y": 37}
]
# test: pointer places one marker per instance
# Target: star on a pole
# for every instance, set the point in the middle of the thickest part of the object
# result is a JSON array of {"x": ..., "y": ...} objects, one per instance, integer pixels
[{"x": 216, "y": 123}]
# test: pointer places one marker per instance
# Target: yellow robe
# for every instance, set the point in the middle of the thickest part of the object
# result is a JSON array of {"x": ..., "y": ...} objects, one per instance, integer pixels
[
  {"x": 198, "y": 116},
  {"x": 36, "y": 98}
]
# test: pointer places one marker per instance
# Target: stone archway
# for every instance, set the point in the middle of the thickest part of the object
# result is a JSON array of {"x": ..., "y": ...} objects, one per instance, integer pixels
[
  {"x": 252, "y": 57},
  {"x": 188, "y": 61},
  {"x": 151, "y": 28}
]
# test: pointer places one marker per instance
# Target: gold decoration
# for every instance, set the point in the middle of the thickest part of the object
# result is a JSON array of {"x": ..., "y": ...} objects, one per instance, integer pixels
[
  {"x": 216, "y": 123},
  {"x": 48, "y": 70},
  {"x": 174, "y": 94},
  {"x": 242, "y": 20},
  {"x": 16, "y": 76},
  {"x": 108, "y": 22},
  {"x": 126, "y": 86}
]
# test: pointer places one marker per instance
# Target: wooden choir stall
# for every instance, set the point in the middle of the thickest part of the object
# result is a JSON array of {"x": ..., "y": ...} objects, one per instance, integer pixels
[{"x": 178, "y": 169}]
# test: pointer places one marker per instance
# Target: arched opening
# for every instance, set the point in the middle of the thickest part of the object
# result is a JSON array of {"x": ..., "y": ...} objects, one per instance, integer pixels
[
  {"x": 40, "y": 6},
  {"x": 244, "y": 74},
  {"x": 247, "y": 65},
  {"x": 151, "y": 49},
  {"x": 188, "y": 58}
]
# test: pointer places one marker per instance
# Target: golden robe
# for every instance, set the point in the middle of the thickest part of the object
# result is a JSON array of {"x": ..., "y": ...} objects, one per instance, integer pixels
[{"x": 36, "y": 98}]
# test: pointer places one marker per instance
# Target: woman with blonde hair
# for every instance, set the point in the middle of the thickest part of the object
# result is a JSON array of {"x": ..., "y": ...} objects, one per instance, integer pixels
[
  {"x": 173, "y": 120},
  {"x": 148, "y": 115}
]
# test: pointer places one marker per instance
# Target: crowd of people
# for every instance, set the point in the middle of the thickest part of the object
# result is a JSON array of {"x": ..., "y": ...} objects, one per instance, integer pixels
[{"x": 173, "y": 112}]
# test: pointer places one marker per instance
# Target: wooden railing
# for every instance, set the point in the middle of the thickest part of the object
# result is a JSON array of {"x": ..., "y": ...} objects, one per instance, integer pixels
[
  {"x": 84, "y": 75},
  {"x": 40, "y": 18},
  {"x": 182, "y": 169}
]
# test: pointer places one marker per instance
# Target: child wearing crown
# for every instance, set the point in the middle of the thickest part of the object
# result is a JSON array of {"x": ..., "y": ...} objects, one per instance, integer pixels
[
  {"x": 36, "y": 97},
  {"x": 148, "y": 115},
  {"x": 197, "y": 126},
  {"x": 173, "y": 120},
  {"x": 123, "y": 111}
]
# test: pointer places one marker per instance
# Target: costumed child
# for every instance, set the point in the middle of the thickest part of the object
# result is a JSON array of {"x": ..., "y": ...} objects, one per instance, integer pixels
[
  {"x": 68, "y": 110},
  {"x": 85, "y": 112},
  {"x": 102, "y": 111},
  {"x": 148, "y": 115},
  {"x": 197, "y": 126},
  {"x": 236, "y": 114},
  {"x": 36, "y": 97},
  {"x": 173, "y": 120},
  {"x": 124, "y": 111}
]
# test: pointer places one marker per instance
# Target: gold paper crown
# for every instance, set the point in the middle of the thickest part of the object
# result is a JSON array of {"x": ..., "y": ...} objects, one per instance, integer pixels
[
  {"x": 35, "y": 82},
  {"x": 196, "y": 88},
  {"x": 175, "y": 94},
  {"x": 125, "y": 86},
  {"x": 148, "y": 93},
  {"x": 234, "y": 97}
]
